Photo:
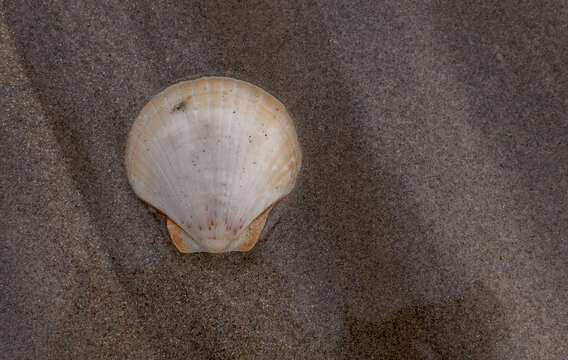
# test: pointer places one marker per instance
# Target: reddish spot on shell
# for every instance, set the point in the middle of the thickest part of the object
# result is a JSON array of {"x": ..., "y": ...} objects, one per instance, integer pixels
[
  {"x": 228, "y": 227},
  {"x": 212, "y": 238},
  {"x": 200, "y": 227},
  {"x": 209, "y": 227},
  {"x": 212, "y": 222}
]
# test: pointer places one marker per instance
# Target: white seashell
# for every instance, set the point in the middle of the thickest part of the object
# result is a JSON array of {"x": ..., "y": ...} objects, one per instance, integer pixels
[{"x": 214, "y": 155}]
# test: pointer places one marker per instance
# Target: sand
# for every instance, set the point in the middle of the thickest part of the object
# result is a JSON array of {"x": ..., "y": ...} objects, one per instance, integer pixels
[{"x": 429, "y": 220}]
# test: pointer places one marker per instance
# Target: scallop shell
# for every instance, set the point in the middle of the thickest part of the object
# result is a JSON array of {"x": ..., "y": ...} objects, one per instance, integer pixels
[{"x": 214, "y": 155}]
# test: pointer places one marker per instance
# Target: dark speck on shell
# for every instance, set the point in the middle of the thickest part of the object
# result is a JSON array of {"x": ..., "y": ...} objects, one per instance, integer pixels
[{"x": 179, "y": 107}]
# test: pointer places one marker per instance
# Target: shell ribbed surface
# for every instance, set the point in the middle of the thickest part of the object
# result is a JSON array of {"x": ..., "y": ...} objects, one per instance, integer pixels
[{"x": 212, "y": 154}]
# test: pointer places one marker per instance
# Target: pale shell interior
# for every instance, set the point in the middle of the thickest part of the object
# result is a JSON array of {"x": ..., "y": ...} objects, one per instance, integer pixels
[{"x": 213, "y": 155}]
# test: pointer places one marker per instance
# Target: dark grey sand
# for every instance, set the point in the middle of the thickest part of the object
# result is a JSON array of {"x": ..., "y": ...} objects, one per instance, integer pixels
[{"x": 430, "y": 220}]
